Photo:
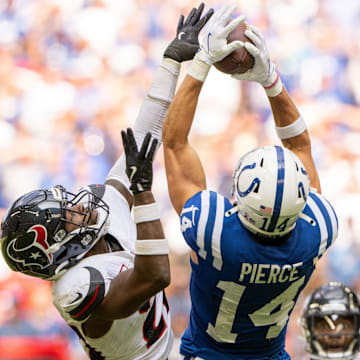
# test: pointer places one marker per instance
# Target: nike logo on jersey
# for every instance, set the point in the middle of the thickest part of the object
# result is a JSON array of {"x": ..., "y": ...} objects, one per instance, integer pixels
[
  {"x": 208, "y": 42},
  {"x": 133, "y": 171},
  {"x": 78, "y": 296},
  {"x": 180, "y": 35}
]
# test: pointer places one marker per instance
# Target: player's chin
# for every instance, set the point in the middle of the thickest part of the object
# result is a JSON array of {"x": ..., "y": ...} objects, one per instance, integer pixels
[{"x": 334, "y": 348}]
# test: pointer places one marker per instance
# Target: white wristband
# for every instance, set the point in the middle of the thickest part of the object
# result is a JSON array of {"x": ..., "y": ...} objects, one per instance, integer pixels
[
  {"x": 199, "y": 70},
  {"x": 292, "y": 130},
  {"x": 152, "y": 247},
  {"x": 148, "y": 212},
  {"x": 275, "y": 88}
]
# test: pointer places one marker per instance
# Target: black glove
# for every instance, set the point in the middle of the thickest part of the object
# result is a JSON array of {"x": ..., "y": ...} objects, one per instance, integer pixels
[
  {"x": 138, "y": 164},
  {"x": 186, "y": 43}
]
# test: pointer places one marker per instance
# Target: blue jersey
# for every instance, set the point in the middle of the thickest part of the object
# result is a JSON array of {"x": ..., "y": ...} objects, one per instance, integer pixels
[{"x": 243, "y": 291}]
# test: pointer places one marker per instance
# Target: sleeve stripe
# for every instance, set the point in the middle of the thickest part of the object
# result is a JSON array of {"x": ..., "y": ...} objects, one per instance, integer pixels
[
  {"x": 88, "y": 305},
  {"x": 210, "y": 223},
  {"x": 216, "y": 235},
  {"x": 93, "y": 298},
  {"x": 333, "y": 219},
  {"x": 330, "y": 223},
  {"x": 200, "y": 238},
  {"x": 322, "y": 225},
  {"x": 324, "y": 213}
]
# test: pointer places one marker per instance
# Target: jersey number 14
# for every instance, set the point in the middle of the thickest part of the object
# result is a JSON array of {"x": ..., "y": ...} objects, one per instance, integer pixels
[{"x": 233, "y": 292}]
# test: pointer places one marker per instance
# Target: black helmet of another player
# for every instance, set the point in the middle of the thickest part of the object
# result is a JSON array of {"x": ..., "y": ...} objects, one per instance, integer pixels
[
  {"x": 34, "y": 236},
  {"x": 331, "y": 321}
]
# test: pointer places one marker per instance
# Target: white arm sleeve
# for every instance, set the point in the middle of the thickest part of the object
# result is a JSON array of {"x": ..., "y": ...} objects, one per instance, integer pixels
[{"x": 152, "y": 112}]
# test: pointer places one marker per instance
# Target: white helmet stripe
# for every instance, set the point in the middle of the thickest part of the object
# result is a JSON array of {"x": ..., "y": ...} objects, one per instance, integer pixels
[{"x": 279, "y": 188}]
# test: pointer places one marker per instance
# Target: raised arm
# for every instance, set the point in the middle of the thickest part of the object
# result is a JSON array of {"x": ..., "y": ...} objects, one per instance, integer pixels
[
  {"x": 151, "y": 272},
  {"x": 184, "y": 172},
  {"x": 157, "y": 100},
  {"x": 290, "y": 125},
  {"x": 289, "y": 122}
]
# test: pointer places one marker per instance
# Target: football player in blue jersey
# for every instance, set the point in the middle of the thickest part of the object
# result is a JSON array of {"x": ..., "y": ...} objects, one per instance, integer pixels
[
  {"x": 331, "y": 323},
  {"x": 250, "y": 260}
]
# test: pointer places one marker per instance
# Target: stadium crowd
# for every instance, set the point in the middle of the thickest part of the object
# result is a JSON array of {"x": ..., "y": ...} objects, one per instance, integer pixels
[{"x": 73, "y": 74}]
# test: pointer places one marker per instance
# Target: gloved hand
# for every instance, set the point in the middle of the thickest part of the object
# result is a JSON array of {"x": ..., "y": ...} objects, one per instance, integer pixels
[
  {"x": 263, "y": 71},
  {"x": 186, "y": 43},
  {"x": 138, "y": 164},
  {"x": 214, "y": 46}
]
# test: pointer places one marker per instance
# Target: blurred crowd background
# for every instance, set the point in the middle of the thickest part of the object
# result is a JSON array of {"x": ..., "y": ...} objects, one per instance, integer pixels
[{"x": 73, "y": 73}]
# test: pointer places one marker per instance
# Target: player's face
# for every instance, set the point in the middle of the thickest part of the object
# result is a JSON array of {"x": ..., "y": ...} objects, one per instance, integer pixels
[
  {"x": 334, "y": 333},
  {"x": 78, "y": 215}
]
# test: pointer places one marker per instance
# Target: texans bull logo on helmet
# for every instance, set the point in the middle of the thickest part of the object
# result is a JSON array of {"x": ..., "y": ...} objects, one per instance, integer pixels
[{"x": 35, "y": 253}]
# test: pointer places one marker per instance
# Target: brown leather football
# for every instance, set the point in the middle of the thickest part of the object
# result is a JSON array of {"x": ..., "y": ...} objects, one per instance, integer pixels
[{"x": 240, "y": 60}]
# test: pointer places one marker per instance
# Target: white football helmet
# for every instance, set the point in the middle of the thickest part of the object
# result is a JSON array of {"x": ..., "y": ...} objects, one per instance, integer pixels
[{"x": 270, "y": 185}]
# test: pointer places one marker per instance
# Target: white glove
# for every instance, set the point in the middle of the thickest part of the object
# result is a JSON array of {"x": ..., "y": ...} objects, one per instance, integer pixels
[
  {"x": 263, "y": 71},
  {"x": 214, "y": 46}
]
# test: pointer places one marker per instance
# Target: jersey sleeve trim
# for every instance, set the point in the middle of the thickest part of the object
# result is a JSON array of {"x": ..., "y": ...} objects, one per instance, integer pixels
[
  {"x": 210, "y": 227},
  {"x": 217, "y": 231},
  {"x": 326, "y": 219},
  {"x": 202, "y": 221},
  {"x": 93, "y": 298},
  {"x": 204, "y": 214},
  {"x": 333, "y": 218}
]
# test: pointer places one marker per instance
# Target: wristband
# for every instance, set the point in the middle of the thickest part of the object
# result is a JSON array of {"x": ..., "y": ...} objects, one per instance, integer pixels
[
  {"x": 199, "y": 70},
  {"x": 152, "y": 247},
  {"x": 148, "y": 212},
  {"x": 292, "y": 130},
  {"x": 275, "y": 88}
]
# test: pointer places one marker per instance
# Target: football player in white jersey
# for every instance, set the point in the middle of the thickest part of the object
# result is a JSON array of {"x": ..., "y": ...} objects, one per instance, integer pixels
[
  {"x": 109, "y": 269},
  {"x": 331, "y": 323},
  {"x": 250, "y": 260}
]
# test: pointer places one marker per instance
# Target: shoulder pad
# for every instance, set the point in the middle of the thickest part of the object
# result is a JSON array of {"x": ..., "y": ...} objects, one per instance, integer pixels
[{"x": 78, "y": 295}]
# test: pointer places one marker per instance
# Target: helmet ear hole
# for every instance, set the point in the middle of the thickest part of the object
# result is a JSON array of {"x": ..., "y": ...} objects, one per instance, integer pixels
[
  {"x": 301, "y": 191},
  {"x": 262, "y": 162},
  {"x": 256, "y": 189},
  {"x": 48, "y": 215}
]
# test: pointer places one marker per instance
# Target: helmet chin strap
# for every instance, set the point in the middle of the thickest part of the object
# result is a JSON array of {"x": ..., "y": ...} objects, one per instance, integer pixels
[
  {"x": 323, "y": 355},
  {"x": 232, "y": 211},
  {"x": 102, "y": 223}
]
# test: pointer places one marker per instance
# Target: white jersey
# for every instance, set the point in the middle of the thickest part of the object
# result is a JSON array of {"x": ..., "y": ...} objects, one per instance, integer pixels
[{"x": 146, "y": 334}]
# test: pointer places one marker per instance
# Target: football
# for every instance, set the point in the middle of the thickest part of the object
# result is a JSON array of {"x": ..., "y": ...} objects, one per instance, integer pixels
[{"x": 240, "y": 60}]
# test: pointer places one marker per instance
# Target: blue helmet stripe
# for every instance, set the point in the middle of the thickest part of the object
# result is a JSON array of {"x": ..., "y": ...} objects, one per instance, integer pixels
[{"x": 279, "y": 188}]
